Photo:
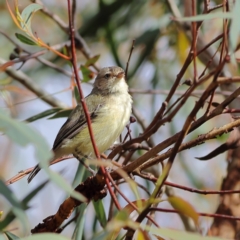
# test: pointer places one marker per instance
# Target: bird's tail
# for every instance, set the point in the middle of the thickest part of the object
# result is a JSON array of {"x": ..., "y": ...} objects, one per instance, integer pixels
[{"x": 33, "y": 173}]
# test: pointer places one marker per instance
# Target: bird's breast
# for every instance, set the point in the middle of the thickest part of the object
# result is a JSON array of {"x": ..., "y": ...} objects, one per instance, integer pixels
[{"x": 110, "y": 120}]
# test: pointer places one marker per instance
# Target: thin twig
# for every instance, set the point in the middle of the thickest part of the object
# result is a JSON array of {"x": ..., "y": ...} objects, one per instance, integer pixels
[
  {"x": 194, "y": 42},
  {"x": 32, "y": 86},
  {"x": 24, "y": 173},
  {"x": 129, "y": 57}
]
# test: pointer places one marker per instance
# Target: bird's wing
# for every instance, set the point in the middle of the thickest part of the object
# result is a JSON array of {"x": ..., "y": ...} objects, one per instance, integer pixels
[{"x": 77, "y": 120}]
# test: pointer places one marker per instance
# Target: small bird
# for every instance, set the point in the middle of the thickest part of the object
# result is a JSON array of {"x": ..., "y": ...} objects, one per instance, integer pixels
[{"x": 109, "y": 105}]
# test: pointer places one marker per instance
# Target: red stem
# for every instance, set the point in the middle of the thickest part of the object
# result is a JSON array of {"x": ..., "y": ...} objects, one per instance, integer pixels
[
  {"x": 83, "y": 102},
  {"x": 194, "y": 46}
]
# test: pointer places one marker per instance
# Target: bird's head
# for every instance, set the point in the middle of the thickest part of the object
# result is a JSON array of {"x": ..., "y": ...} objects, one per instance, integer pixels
[{"x": 111, "y": 80}]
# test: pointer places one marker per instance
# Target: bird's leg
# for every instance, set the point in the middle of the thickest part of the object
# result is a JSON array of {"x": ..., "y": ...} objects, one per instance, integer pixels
[
  {"x": 80, "y": 159},
  {"x": 132, "y": 120}
]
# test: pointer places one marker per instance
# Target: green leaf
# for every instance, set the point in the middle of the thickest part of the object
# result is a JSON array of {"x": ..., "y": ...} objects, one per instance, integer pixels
[
  {"x": 184, "y": 207},
  {"x": 179, "y": 235},
  {"x": 25, "y": 39},
  {"x": 202, "y": 17},
  {"x": 27, "y": 15},
  {"x": 76, "y": 94},
  {"x": 61, "y": 182},
  {"x": 86, "y": 74},
  {"x": 17, "y": 207},
  {"x": 91, "y": 61},
  {"x": 10, "y": 216},
  {"x": 79, "y": 229},
  {"x": 46, "y": 236},
  {"x": 11, "y": 236},
  {"x": 23, "y": 135},
  {"x": 100, "y": 213},
  {"x": 8, "y": 194},
  {"x": 148, "y": 39},
  {"x": 43, "y": 114},
  {"x": 33, "y": 193},
  {"x": 79, "y": 175},
  {"x": 61, "y": 114},
  {"x": 7, "y": 220}
]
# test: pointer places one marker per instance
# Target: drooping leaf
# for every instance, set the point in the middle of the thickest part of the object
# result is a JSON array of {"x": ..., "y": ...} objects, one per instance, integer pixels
[
  {"x": 61, "y": 182},
  {"x": 80, "y": 174},
  {"x": 100, "y": 212},
  {"x": 7, "y": 220},
  {"x": 17, "y": 207},
  {"x": 25, "y": 39},
  {"x": 11, "y": 236},
  {"x": 91, "y": 61},
  {"x": 184, "y": 207},
  {"x": 10, "y": 216},
  {"x": 61, "y": 114},
  {"x": 148, "y": 39},
  {"x": 76, "y": 94},
  {"x": 27, "y": 15},
  {"x": 23, "y": 135},
  {"x": 33, "y": 193},
  {"x": 79, "y": 229},
  {"x": 8, "y": 194},
  {"x": 86, "y": 74},
  {"x": 43, "y": 114},
  {"x": 203, "y": 17}
]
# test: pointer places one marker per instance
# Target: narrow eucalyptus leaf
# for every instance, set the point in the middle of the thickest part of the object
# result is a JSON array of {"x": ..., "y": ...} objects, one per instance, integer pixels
[
  {"x": 100, "y": 212},
  {"x": 86, "y": 74},
  {"x": 25, "y": 39},
  {"x": 11, "y": 236},
  {"x": 92, "y": 60},
  {"x": 62, "y": 114},
  {"x": 17, "y": 207},
  {"x": 27, "y": 14},
  {"x": 23, "y": 135},
  {"x": 43, "y": 114}
]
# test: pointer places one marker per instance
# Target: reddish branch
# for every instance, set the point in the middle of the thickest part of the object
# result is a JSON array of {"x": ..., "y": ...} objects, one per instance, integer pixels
[
  {"x": 82, "y": 100},
  {"x": 92, "y": 188}
]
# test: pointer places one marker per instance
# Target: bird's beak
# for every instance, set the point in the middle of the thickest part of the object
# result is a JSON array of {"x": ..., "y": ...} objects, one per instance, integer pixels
[{"x": 120, "y": 75}]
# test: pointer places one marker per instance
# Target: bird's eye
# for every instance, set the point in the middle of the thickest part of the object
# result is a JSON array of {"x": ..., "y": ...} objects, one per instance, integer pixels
[{"x": 107, "y": 75}]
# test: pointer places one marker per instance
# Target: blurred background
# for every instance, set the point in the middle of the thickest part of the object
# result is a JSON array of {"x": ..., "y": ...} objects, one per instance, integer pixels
[{"x": 109, "y": 27}]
